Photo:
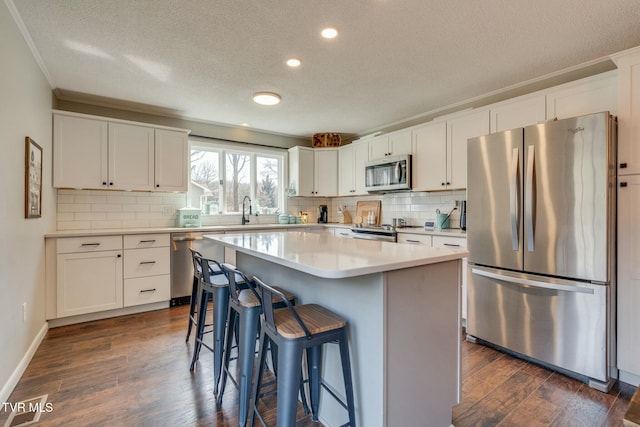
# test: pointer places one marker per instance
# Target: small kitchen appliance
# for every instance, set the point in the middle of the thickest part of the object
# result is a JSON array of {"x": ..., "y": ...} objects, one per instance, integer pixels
[
  {"x": 323, "y": 214},
  {"x": 463, "y": 215}
]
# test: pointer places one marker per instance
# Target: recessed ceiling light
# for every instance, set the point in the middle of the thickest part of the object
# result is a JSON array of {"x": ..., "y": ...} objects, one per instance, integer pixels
[
  {"x": 293, "y": 62},
  {"x": 244, "y": 125},
  {"x": 329, "y": 33},
  {"x": 266, "y": 98}
]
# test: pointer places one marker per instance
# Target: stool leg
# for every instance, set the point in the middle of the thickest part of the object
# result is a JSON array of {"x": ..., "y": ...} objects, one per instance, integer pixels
[
  {"x": 348, "y": 381},
  {"x": 195, "y": 294},
  {"x": 228, "y": 343},
  {"x": 202, "y": 313},
  {"x": 262, "y": 355},
  {"x": 289, "y": 375},
  {"x": 314, "y": 367},
  {"x": 246, "y": 356},
  {"x": 220, "y": 313}
]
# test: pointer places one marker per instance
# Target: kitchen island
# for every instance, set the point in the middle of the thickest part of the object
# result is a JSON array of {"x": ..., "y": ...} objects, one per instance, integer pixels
[{"x": 402, "y": 304}]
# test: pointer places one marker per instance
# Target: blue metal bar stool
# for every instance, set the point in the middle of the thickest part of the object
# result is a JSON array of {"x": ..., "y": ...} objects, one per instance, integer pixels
[
  {"x": 216, "y": 288},
  {"x": 294, "y": 329},
  {"x": 245, "y": 307},
  {"x": 196, "y": 291}
]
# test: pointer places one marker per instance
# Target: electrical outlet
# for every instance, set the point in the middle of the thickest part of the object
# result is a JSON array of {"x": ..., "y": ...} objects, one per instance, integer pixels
[{"x": 24, "y": 311}]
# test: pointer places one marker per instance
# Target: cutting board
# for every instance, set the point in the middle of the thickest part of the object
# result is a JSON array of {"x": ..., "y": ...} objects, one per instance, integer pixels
[{"x": 363, "y": 207}]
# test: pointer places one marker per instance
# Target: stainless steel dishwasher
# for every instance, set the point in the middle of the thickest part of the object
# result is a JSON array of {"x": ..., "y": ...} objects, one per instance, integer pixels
[{"x": 182, "y": 265}]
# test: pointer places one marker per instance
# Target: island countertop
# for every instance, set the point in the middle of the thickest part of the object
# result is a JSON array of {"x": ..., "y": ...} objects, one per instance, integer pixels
[{"x": 328, "y": 256}]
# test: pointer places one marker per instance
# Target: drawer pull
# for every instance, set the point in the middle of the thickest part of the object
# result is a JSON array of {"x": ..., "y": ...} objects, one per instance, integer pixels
[
  {"x": 148, "y": 290},
  {"x": 147, "y": 262},
  {"x": 148, "y": 241},
  {"x": 413, "y": 241},
  {"x": 90, "y": 244},
  {"x": 451, "y": 244}
]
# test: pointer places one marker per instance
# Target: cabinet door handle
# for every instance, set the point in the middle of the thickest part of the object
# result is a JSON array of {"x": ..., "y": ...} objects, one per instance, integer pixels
[
  {"x": 148, "y": 290},
  {"x": 148, "y": 241},
  {"x": 119, "y": 255},
  {"x": 157, "y": 185},
  {"x": 147, "y": 262},
  {"x": 623, "y": 165},
  {"x": 451, "y": 244},
  {"x": 413, "y": 241},
  {"x": 111, "y": 183},
  {"x": 104, "y": 182},
  {"x": 623, "y": 184},
  {"x": 90, "y": 244}
]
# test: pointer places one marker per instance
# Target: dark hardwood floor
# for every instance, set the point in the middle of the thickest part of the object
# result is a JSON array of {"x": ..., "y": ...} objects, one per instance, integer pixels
[{"x": 134, "y": 371}]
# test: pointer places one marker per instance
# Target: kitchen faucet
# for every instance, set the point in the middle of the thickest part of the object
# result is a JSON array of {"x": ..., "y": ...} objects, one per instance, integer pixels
[{"x": 245, "y": 220}]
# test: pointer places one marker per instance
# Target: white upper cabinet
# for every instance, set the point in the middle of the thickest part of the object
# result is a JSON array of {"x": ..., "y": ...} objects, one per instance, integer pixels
[
  {"x": 131, "y": 157},
  {"x": 97, "y": 153},
  {"x": 628, "y": 111},
  {"x": 171, "y": 160},
  {"x": 351, "y": 163},
  {"x": 301, "y": 171},
  {"x": 392, "y": 144},
  {"x": 459, "y": 130},
  {"x": 325, "y": 172},
  {"x": 518, "y": 112},
  {"x": 585, "y": 96},
  {"x": 80, "y": 153},
  {"x": 313, "y": 172},
  {"x": 429, "y": 162},
  {"x": 440, "y": 151}
]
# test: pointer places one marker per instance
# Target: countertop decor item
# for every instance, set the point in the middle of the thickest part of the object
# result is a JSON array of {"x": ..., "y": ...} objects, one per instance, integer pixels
[
  {"x": 326, "y": 139},
  {"x": 363, "y": 207},
  {"x": 32, "y": 179}
]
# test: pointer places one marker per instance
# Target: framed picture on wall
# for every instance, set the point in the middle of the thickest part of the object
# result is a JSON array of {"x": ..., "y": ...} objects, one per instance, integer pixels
[{"x": 33, "y": 180}]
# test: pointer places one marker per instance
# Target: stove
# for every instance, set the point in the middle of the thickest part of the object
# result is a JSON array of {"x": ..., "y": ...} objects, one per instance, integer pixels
[{"x": 384, "y": 233}]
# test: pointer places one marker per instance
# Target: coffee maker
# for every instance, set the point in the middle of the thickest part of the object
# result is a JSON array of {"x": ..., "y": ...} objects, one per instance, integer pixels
[
  {"x": 323, "y": 214},
  {"x": 463, "y": 215}
]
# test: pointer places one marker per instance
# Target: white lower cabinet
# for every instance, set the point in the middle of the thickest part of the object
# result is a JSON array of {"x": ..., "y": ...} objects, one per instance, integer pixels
[
  {"x": 99, "y": 273},
  {"x": 146, "y": 269},
  {"x": 461, "y": 243},
  {"x": 415, "y": 239},
  {"x": 442, "y": 241},
  {"x": 89, "y": 275}
]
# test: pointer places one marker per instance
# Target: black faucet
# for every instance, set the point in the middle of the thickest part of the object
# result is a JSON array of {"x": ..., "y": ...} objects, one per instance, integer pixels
[{"x": 245, "y": 220}]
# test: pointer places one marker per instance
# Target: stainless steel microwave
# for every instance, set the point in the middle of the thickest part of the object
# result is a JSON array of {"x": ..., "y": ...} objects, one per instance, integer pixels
[{"x": 391, "y": 173}]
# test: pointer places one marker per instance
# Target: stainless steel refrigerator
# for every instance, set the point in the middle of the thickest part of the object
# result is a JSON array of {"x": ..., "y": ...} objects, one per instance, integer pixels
[{"x": 541, "y": 236}]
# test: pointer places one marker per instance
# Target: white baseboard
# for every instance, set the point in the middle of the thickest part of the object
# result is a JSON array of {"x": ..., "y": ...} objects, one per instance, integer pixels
[
  {"x": 629, "y": 378},
  {"x": 89, "y": 317},
  {"x": 13, "y": 380}
]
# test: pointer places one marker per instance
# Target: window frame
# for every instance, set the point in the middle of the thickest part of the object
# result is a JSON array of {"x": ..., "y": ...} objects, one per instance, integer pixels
[{"x": 225, "y": 147}]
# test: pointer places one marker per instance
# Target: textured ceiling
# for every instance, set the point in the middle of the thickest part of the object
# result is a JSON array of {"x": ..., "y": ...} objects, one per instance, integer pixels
[{"x": 392, "y": 60}]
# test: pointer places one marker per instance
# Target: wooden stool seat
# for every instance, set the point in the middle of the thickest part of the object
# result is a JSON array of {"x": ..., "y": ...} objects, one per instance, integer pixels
[
  {"x": 316, "y": 318},
  {"x": 248, "y": 298}
]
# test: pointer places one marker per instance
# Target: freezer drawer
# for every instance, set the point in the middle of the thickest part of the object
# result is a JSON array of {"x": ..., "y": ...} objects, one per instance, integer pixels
[{"x": 559, "y": 322}]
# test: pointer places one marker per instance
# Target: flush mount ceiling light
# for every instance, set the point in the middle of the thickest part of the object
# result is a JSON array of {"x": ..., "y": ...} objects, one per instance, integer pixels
[
  {"x": 266, "y": 98},
  {"x": 329, "y": 33},
  {"x": 293, "y": 62}
]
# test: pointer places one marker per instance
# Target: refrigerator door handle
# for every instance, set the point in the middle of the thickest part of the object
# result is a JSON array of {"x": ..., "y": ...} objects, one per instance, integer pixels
[
  {"x": 533, "y": 283},
  {"x": 530, "y": 199},
  {"x": 513, "y": 198}
]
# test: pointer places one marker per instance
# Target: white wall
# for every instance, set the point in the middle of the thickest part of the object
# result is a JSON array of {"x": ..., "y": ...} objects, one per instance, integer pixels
[{"x": 25, "y": 110}]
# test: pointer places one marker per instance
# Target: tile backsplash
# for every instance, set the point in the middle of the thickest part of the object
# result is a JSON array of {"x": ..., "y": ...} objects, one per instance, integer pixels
[{"x": 95, "y": 210}]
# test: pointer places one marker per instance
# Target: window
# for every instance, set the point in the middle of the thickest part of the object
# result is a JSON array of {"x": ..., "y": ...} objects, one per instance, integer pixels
[{"x": 222, "y": 175}]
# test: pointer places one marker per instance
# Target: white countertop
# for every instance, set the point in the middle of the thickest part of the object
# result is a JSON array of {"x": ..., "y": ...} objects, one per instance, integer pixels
[{"x": 328, "y": 256}]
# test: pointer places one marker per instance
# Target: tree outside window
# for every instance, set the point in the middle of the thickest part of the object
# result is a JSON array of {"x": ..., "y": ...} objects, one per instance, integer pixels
[{"x": 221, "y": 178}]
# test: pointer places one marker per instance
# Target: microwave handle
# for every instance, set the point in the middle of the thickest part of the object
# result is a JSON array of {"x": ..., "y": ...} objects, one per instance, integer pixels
[{"x": 398, "y": 172}]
